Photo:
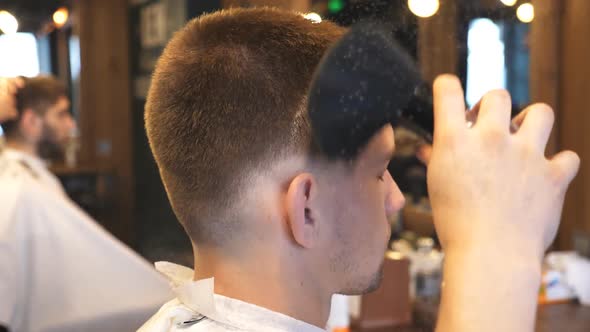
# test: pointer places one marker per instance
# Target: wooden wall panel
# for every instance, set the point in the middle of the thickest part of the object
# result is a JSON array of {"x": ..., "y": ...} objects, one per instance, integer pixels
[
  {"x": 105, "y": 110},
  {"x": 437, "y": 42},
  {"x": 574, "y": 115},
  {"x": 63, "y": 64},
  {"x": 545, "y": 52}
]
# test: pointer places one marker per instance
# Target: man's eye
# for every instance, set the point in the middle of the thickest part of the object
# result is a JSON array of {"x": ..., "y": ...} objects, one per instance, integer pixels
[{"x": 381, "y": 177}]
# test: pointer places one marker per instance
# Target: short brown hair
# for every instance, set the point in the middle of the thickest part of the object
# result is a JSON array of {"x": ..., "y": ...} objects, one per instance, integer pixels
[
  {"x": 228, "y": 95},
  {"x": 37, "y": 94}
]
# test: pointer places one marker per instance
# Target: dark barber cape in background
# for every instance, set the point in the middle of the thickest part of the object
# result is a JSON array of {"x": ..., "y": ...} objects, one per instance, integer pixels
[{"x": 365, "y": 81}]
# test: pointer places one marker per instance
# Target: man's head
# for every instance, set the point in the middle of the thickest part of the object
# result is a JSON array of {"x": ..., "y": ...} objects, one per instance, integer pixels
[
  {"x": 227, "y": 122},
  {"x": 43, "y": 118}
]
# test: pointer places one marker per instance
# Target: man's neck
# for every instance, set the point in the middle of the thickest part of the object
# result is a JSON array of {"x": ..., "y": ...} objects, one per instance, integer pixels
[
  {"x": 272, "y": 284},
  {"x": 22, "y": 147}
]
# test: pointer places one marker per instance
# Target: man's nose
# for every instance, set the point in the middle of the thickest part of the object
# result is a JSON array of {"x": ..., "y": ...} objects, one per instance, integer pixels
[
  {"x": 394, "y": 200},
  {"x": 72, "y": 125}
]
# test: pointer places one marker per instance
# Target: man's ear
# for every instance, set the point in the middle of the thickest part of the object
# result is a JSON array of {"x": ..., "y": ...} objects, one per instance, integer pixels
[
  {"x": 30, "y": 124},
  {"x": 301, "y": 218}
]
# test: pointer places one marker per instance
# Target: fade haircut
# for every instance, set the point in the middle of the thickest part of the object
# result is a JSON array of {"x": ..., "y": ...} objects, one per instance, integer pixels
[
  {"x": 37, "y": 94},
  {"x": 228, "y": 97}
]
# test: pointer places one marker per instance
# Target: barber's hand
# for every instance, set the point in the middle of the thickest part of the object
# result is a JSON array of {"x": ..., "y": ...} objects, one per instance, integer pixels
[
  {"x": 424, "y": 152},
  {"x": 8, "y": 89},
  {"x": 489, "y": 187}
]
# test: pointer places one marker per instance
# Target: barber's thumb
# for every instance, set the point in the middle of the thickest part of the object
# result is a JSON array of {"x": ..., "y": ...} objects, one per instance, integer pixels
[
  {"x": 566, "y": 165},
  {"x": 424, "y": 153}
]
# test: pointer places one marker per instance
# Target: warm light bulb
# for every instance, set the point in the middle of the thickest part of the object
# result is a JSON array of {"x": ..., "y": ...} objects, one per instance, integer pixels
[
  {"x": 314, "y": 17},
  {"x": 8, "y": 23},
  {"x": 526, "y": 13},
  {"x": 509, "y": 3},
  {"x": 60, "y": 17},
  {"x": 423, "y": 8}
]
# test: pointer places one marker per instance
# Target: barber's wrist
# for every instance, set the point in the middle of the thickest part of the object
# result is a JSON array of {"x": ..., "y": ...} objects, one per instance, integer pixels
[
  {"x": 494, "y": 243},
  {"x": 481, "y": 286},
  {"x": 507, "y": 259}
]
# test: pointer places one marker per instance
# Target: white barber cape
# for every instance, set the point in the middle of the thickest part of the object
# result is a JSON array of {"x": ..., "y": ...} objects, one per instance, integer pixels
[
  {"x": 59, "y": 270},
  {"x": 18, "y": 163},
  {"x": 197, "y": 308}
]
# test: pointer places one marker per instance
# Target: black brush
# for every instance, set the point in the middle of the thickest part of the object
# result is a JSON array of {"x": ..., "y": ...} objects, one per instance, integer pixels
[{"x": 365, "y": 81}]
